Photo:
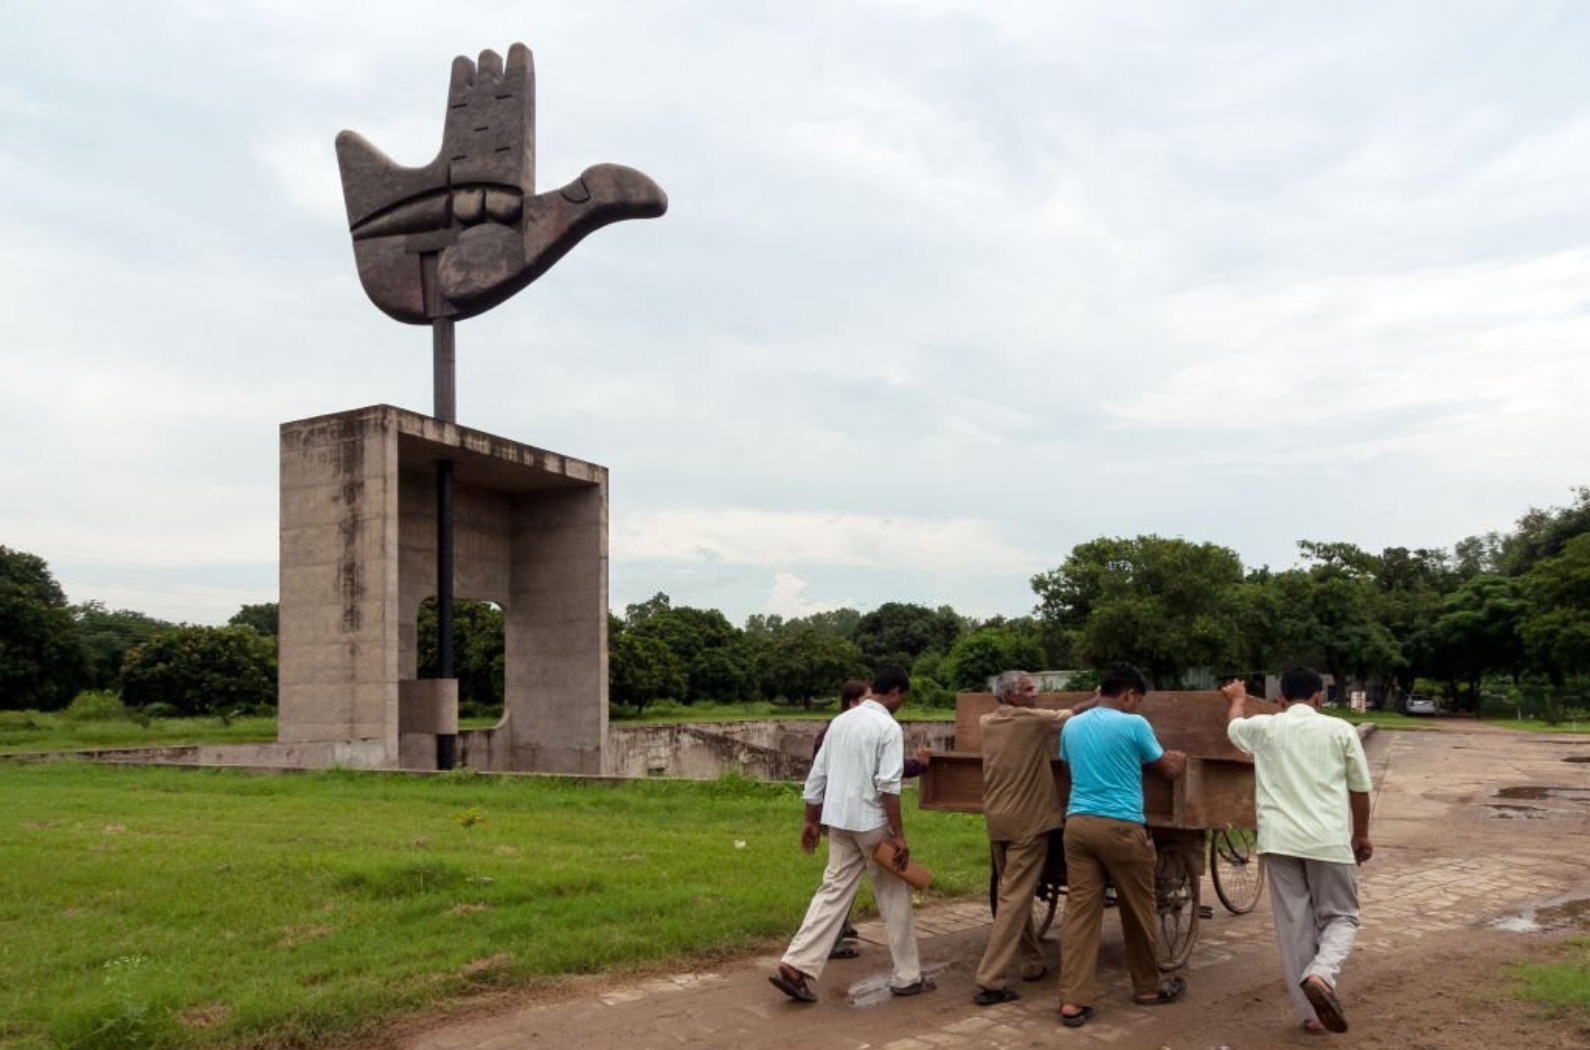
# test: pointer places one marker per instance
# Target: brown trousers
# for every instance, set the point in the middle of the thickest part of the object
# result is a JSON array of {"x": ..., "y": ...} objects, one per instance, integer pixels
[
  {"x": 1019, "y": 863},
  {"x": 1100, "y": 849}
]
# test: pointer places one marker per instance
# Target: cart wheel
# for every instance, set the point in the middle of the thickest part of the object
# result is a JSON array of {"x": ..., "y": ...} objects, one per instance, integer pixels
[
  {"x": 1235, "y": 868},
  {"x": 1043, "y": 906},
  {"x": 1043, "y": 901},
  {"x": 1176, "y": 898}
]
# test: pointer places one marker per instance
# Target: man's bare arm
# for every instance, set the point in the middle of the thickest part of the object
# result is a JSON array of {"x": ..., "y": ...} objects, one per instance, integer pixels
[
  {"x": 891, "y": 810},
  {"x": 1358, "y": 803},
  {"x": 1237, "y": 693},
  {"x": 1168, "y": 766}
]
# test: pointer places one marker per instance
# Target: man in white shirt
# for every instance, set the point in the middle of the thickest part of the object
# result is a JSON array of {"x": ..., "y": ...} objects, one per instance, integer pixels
[
  {"x": 1312, "y": 796},
  {"x": 854, "y": 790}
]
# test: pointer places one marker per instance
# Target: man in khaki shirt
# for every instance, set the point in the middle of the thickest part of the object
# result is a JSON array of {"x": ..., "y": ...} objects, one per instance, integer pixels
[
  {"x": 1312, "y": 796},
  {"x": 1021, "y": 807}
]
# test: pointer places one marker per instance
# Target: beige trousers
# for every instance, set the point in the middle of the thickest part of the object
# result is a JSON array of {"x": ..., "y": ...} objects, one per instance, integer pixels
[{"x": 849, "y": 856}]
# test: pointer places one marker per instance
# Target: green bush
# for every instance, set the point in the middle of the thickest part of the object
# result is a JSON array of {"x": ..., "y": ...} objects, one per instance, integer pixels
[
  {"x": 96, "y": 705},
  {"x": 202, "y": 670}
]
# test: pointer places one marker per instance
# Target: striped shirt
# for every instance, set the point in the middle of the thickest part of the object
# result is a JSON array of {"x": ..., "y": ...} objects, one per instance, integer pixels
[
  {"x": 861, "y": 760},
  {"x": 1305, "y": 763}
]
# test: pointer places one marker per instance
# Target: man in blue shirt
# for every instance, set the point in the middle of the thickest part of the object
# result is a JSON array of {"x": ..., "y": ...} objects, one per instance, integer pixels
[{"x": 1106, "y": 751}]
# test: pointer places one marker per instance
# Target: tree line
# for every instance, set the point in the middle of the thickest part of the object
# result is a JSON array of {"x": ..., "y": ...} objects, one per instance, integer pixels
[{"x": 1504, "y": 614}]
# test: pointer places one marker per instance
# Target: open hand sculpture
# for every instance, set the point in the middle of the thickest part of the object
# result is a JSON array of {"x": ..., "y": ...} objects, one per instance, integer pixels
[{"x": 466, "y": 231}]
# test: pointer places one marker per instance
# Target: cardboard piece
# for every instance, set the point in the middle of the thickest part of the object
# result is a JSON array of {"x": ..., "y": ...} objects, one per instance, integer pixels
[{"x": 915, "y": 874}]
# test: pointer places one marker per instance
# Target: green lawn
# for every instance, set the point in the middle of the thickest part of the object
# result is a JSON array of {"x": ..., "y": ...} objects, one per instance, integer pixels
[
  {"x": 56, "y": 731},
  {"x": 155, "y": 908}
]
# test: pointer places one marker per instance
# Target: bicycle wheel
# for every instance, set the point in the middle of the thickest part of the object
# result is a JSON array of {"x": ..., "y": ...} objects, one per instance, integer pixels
[
  {"x": 1235, "y": 868},
  {"x": 1176, "y": 900},
  {"x": 1044, "y": 900}
]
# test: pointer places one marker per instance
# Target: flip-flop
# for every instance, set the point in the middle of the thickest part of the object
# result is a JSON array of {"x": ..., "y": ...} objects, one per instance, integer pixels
[
  {"x": 1169, "y": 992},
  {"x": 1326, "y": 1006},
  {"x": 1076, "y": 1020},
  {"x": 843, "y": 951},
  {"x": 794, "y": 987}
]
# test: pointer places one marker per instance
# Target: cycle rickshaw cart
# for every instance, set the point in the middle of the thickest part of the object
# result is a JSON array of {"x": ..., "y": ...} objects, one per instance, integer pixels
[{"x": 1205, "y": 815}]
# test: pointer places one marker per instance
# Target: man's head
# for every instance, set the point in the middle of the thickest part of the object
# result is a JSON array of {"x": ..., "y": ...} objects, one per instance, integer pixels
[
  {"x": 889, "y": 687},
  {"x": 852, "y": 692},
  {"x": 1124, "y": 684},
  {"x": 1302, "y": 685},
  {"x": 1015, "y": 688}
]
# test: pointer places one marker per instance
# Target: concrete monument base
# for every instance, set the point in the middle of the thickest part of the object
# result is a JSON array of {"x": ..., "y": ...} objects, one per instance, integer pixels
[{"x": 358, "y": 555}]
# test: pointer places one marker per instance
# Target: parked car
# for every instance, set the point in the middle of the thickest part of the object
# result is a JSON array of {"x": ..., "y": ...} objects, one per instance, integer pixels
[{"x": 1419, "y": 705}]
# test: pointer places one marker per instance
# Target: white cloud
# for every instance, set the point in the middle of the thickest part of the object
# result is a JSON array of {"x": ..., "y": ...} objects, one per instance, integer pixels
[{"x": 744, "y": 536}]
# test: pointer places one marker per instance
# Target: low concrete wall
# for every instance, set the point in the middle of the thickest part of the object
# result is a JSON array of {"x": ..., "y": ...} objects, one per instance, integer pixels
[{"x": 766, "y": 750}]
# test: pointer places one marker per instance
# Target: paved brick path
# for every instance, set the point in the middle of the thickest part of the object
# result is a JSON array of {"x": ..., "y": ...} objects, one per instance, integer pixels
[{"x": 1422, "y": 884}]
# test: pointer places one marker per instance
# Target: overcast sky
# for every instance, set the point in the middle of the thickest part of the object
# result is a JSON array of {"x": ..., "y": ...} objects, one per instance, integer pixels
[{"x": 944, "y": 289}]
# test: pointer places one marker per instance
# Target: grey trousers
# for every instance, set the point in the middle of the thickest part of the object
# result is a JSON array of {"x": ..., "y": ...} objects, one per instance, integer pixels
[
  {"x": 849, "y": 856},
  {"x": 1315, "y": 903}
]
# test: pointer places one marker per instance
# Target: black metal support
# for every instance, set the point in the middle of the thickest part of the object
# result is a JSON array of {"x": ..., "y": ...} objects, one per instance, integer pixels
[{"x": 446, "y": 411}]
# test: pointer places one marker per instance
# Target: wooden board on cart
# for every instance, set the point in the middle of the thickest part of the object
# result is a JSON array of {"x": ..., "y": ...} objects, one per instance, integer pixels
[{"x": 1215, "y": 792}]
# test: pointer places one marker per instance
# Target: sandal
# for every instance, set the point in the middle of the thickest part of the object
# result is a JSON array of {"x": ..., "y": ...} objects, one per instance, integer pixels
[
  {"x": 793, "y": 984},
  {"x": 1169, "y": 992},
  {"x": 1326, "y": 1006},
  {"x": 1077, "y": 1020},
  {"x": 916, "y": 987},
  {"x": 995, "y": 996},
  {"x": 843, "y": 951}
]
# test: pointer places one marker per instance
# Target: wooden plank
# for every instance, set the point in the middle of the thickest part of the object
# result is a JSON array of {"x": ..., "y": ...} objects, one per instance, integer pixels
[{"x": 1190, "y": 721}]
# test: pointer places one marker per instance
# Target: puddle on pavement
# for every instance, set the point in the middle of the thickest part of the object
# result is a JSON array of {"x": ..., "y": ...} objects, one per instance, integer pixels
[
  {"x": 1515, "y": 812},
  {"x": 874, "y": 990},
  {"x": 1540, "y": 794},
  {"x": 1572, "y": 913}
]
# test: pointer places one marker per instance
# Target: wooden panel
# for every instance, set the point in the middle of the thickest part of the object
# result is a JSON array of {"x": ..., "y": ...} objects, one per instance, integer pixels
[
  {"x": 1210, "y": 794},
  {"x": 1193, "y": 721}
]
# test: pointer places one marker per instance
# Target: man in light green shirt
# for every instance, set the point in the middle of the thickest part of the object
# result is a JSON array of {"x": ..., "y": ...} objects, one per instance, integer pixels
[{"x": 1312, "y": 796}]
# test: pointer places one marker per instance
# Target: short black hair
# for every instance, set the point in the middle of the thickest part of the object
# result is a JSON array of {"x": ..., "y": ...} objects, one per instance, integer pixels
[
  {"x": 889, "y": 678},
  {"x": 853, "y": 689},
  {"x": 1121, "y": 678},
  {"x": 1300, "y": 683}
]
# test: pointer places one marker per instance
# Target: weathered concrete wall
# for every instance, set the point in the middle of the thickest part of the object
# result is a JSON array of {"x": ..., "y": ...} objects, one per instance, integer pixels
[
  {"x": 358, "y": 556},
  {"x": 770, "y": 750}
]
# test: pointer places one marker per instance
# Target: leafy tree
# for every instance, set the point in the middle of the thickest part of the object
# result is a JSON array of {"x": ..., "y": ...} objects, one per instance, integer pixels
[
  {"x": 1478, "y": 632},
  {"x": 641, "y": 669},
  {"x": 264, "y": 618},
  {"x": 42, "y": 661},
  {"x": 107, "y": 636},
  {"x": 802, "y": 664},
  {"x": 1542, "y": 534},
  {"x": 704, "y": 641},
  {"x": 987, "y": 651},
  {"x": 640, "y": 612},
  {"x": 1165, "y": 605},
  {"x": 1410, "y": 588},
  {"x": 201, "y": 670},
  {"x": 1556, "y": 630},
  {"x": 899, "y": 632},
  {"x": 1323, "y": 616}
]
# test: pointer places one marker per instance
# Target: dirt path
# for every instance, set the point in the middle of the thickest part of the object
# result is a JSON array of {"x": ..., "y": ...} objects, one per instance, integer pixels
[{"x": 1467, "y": 834}]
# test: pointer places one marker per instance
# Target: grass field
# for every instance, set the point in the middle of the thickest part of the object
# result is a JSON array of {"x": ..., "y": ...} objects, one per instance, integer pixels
[{"x": 155, "y": 908}]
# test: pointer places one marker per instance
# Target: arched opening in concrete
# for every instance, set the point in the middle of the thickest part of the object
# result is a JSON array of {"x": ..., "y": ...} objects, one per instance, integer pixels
[{"x": 479, "y": 657}]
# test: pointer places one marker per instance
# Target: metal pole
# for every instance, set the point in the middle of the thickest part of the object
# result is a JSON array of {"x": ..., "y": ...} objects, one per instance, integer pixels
[{"x": 447, "y": 412}]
